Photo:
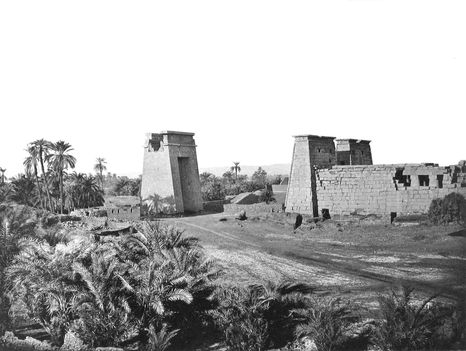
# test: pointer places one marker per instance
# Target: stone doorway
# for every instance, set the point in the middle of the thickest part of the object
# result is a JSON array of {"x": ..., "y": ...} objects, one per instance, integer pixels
[{"x": 187, "y": 196}]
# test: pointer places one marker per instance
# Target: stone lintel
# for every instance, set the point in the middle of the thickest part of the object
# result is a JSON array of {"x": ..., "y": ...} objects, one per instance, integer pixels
[
  {"x": 176, "y": 132},
  {"x": 177, "y": 144},
  {"x": 312, "y": 136},
  {"x": 358, "y": 141}
]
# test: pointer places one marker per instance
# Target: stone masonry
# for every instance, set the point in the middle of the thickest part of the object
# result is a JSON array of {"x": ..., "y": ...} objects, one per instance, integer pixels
[
  {"x": 170, "y": 171},
  {"x": 310, "y": 151},
  {"x": 353, "y": 152},
  {"x": 363, "y": 188},
  {"x": 384, "y": 189}
]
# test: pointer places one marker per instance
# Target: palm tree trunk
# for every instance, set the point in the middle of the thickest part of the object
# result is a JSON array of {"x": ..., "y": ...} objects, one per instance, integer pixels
[
  {"x": 38, "y": 187},
  {"x": 61, "y": 192},
  {"x": 46, "y": 181}
]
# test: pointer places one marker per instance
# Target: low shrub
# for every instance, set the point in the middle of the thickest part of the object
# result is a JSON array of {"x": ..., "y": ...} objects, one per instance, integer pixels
[
  {"x": 12, "y": 343},
  {"x": 329, "y": 322},
  {"x": 450, "y": 209},
  {"x": 407, "y": 325},
  {"x": 258, "y": 317}
]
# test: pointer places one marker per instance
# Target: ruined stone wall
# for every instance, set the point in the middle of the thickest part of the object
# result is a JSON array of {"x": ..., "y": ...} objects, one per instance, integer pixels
[
  {"x": 382, "y": 189},
  {"x": 353, "y": 152},
  {"x": 253, "y": 208}
]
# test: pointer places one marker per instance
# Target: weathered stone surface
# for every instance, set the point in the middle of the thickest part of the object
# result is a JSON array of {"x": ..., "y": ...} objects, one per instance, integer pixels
[
  {"x": 317, "y": 183},
  {"x": 254, "y": 208},
  {"x": 170, "y": 170},
  {"x": 376, "y": 189}
]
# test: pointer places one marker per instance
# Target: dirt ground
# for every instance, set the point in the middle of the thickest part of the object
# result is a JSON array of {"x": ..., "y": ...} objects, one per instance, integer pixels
[{"x": 357, "y": 261}]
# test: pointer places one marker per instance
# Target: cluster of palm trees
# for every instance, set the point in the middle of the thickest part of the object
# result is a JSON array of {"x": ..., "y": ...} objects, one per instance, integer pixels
[
  {"x": 46, "y": 183},
  {"x": 139, "y": 289},
  {"x": 58, "y": 158}
]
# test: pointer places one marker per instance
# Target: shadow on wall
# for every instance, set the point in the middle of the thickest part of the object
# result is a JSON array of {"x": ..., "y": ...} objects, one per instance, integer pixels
[{"x": 156, "y": 204}]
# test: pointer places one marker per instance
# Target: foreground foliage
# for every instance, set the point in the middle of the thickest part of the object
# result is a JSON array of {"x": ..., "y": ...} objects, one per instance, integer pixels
[
  {"x": 327, "y": 321},
  {"x": 258, "y": 317},
  {"x": 116, "y": 292},
  {"x": 156, "y": 290},
  {"x": 409, "y": 325}
]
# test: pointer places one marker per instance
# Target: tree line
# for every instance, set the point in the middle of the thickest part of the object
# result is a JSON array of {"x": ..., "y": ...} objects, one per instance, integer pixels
[
  {"x": 47, "y": 184},
  {"x": 232, "y": 183}
]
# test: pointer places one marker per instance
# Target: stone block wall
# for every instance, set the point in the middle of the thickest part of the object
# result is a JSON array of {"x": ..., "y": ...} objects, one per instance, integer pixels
[
  {"x": 124, "y": 213},
  {"x": 215, "y": 206},
  {"x": 353, "y": 152},
  {"x": 299, "y": 193},
  {"x": 254, "y": 208},
  {"x": 383, "y": 189}
]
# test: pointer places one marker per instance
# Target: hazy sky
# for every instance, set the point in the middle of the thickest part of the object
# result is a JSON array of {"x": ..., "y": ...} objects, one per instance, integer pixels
[{"x": 243, "y": 75}]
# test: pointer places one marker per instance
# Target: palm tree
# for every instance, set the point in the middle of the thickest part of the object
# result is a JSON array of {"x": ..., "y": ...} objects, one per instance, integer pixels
[
  {"x": 228, "y": 178},
  {"x": 100, "y": 167},
  {"x": 41, "y": 277},
  {"x": 42, "y": 149},
  {"x": 82, "y": 191},
  {"x": 31, "y": 162},
  {"x": 3, "y": 170},
  {"x": 60, "y": 160},
  {"x": 103, "y": 310},
  {"x": 24, "y": 191},
  {"x": 236, "y": 168}
]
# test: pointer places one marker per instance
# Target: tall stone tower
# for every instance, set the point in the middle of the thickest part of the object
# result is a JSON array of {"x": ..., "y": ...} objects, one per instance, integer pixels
[
  {"x": 309, "y": 151},
  {"x": 170, "y": 172},
  {"x": 353, "y": 152}
]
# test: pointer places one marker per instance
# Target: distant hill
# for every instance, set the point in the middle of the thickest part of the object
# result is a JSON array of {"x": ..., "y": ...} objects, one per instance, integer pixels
[{"x": 276, "y": 169}]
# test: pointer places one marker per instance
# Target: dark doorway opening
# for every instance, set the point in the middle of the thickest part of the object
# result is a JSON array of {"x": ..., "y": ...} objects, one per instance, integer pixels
[
  {"x": 440, "y": 180},
  {"x": 392, "y": 216},
  {"x": 185, "y": 182},
  {"x": 325, "y": 213}
]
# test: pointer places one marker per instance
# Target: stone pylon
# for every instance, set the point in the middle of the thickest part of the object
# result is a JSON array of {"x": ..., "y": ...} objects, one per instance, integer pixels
[{"x": 170, "y": 177}]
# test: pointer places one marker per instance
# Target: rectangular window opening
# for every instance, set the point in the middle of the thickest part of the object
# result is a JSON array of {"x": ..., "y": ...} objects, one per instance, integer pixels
[{"x": 423, "y": 180}]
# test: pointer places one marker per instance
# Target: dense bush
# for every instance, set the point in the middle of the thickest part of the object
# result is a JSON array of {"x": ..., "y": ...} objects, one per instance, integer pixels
[
  {"x": 119, "y": 291},
  {"x": 409, "y": 325},
  {"x": 258, "y": 317},
  {"x": 452, "y": 208},
  {"x": 327, "y": 322}
]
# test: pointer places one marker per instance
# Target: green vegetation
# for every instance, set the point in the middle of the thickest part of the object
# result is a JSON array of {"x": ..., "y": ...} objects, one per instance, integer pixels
[
  {"x": 121, "y": 186},
  {"x": 47, "y": 185},
  {"x": 156, "y": 289},
  {"x": 450, "y": 209},
  {"x": 407, "y": 325},
  {"x": 216, "y": 188},
  {"x": 258, "y": 317}
]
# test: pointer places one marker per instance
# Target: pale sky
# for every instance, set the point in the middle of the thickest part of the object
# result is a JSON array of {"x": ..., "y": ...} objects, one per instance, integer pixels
[{"x": 243, "y": 75}]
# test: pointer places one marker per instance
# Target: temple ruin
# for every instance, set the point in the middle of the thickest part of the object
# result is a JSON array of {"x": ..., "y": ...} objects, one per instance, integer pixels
[
  {"x": 342, "y": 180},
  {"x": 170, "y": 178}
]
